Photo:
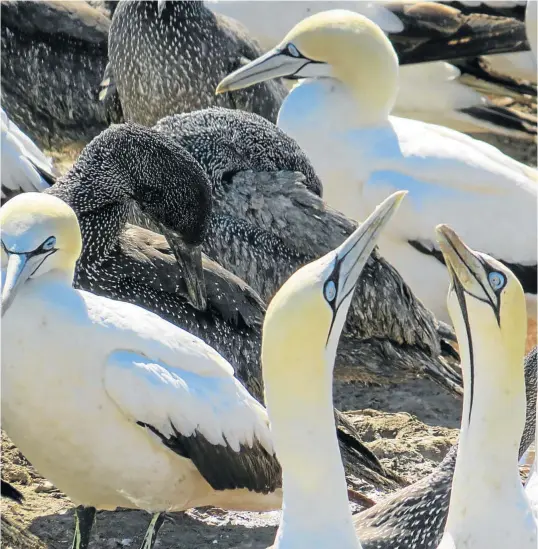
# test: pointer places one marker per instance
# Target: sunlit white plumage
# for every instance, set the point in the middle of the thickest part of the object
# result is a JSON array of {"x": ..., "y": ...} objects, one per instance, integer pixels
[
  {"x": 24, "y": 167},
  {"x": 488, "y": 506},
  {"x": 94, "y": 390},
  {"x": 432, "y": 92},
  {"x": 300, "y": 336},
  {"x": 450, "y": 176}
]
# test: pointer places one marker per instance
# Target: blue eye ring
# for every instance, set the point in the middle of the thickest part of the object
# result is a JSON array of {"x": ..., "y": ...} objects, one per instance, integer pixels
[
  {"x": 330, "y": 291},
  {"x": 496, "y": 280},
  {"x": 49, "y": 243},
  {"x": 292, "y": 50}
]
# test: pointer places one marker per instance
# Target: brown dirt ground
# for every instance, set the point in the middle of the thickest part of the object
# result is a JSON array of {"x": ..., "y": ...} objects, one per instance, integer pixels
[{"x": 410, "y": 427}]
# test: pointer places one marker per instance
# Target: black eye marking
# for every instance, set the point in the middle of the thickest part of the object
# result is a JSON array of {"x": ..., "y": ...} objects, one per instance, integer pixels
[
  {"x": 496, "y": 280},
  {"x": 45, "y": 248},
  {"x": 292, "y": 51},
  {"x": 329, "y": 291}
]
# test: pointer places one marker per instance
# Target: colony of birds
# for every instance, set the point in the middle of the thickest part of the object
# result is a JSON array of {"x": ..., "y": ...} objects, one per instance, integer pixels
[{"x": 175, "y": 305}]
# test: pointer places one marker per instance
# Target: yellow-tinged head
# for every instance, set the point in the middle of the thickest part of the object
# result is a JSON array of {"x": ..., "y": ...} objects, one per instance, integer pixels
[
  {"x": 486, "y": 303},
  {"x": 338, "y": 44},
  {"x": 304, "y": 319},
  {"x": 40, "y": 233}
]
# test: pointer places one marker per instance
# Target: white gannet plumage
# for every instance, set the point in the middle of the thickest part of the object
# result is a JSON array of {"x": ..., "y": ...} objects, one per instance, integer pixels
[
  {"x": 488, "y": 506},
  {"x": 107, "y": 400},
  {"x": 301, "y": 331},
  {"x": 436, "y": 92},
  {"x": 24, "y": 167},
  {"x": 350, "y": 73}
]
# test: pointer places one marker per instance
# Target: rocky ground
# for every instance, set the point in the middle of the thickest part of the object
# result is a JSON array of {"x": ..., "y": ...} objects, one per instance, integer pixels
[{"x": 410, "y": 427}]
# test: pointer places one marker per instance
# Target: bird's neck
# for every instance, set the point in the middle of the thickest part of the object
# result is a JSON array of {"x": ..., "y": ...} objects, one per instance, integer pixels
[
  {"x": 315, "y": 503},
  {"x": 492, "y": 425},
  {"x": 340, "y": 105}
]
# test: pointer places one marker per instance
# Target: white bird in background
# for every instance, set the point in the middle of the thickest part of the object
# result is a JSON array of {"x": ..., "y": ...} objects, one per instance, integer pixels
[
  {"x": 456, "y": 94},
  {"x": 531, "y": 22},
  {"x": 116, "y": 406},
  {"x": 24, "y": 167},
  {"x": 339, "y": 115},
  {"x": 301, "y": 331},
  {"x": 488, "y": 505}
]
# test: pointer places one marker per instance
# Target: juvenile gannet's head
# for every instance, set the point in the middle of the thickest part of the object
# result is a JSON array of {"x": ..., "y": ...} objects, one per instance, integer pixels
[
  {"x": 304, "y": 319},
  {"x": 338, "y": 44},
  {"x": 40, "y": 233},
  {"x": 487, "y": 306}
]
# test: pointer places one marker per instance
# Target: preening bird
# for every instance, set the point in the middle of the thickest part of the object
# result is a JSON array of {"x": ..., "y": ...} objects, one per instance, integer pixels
[
  {"x": 349, "y": 73},
  {"x": 116, "y": 406},
  {"x": 300, "y": 336}
]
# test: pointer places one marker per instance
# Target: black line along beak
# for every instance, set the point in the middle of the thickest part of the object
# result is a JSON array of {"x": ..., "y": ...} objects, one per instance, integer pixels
[
  {"x": 465, "y": 268},
  {"x": 352, "y": 255},
  {"x": 20, "y": 267},
  {"x": 274, "y": 64}
]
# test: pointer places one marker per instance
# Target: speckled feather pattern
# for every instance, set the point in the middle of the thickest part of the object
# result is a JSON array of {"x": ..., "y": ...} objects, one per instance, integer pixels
[
  {"x": 135, "y": 265},
  {"x": 267, "y": 225},
  {"x": 53, "y": 58},
  {"x": 415, "y": 517},
  {"x": 171, "y": 62}
]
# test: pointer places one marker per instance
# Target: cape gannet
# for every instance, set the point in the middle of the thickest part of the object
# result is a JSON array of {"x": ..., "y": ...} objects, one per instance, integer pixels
[
  {"x": 265, "y": 226},
  {"x": 416, "y": 515},
  {"x": 116, "y": 406},
  {"x": 131, "y": 169},
  {"x": 24, "y": 167},
  {"x": 336, "y": 108},
  {"x": 452, "y": 94},
  {"x": 167, "y": 58},
  {"x": 488, "y": 506},
  {"x": 300, "y": 336}
]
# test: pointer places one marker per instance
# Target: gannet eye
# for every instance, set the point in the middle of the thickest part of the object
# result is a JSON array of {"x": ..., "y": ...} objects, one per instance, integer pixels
[
  {"x": 293, "y": 51},
  {"x": 496, "y": 280},
  {"x": 49, "y": 243},
  {"x": 330, "y": 291}
]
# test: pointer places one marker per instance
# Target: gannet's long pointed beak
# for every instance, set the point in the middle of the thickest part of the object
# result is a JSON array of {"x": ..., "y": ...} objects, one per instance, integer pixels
[
  {"x": 352, "y": 255},
  {"x": 274, "y": 64},
  {"x": 189, "y": 257},
  {"x": 19, "y": 269},
  {"x": 464, "y": 266}
]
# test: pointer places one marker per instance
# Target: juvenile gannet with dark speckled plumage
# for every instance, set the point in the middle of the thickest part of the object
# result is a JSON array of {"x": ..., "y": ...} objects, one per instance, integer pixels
[
  {"x": 167, "y": 57},
  {"x": 349, "y": 73},
  {"x": 130, "y": 169},
  {"x": 265, "y": 226}
]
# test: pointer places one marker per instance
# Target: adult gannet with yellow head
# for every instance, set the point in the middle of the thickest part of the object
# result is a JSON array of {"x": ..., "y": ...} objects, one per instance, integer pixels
[
  {"x": 339, "y": 114},
  {"x": 488, "y": 505},
  {"x": 116, "y": 406},
  {"x": 300, "y": 336}
]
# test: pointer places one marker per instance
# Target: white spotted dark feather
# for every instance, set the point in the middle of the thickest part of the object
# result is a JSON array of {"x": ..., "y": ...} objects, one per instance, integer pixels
[{"x": 171, "y": 62}]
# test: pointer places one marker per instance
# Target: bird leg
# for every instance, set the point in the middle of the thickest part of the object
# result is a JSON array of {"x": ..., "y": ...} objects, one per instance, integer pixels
[
  {"x": 84, "y": 519},
  {"x": 152, "y": 531}
]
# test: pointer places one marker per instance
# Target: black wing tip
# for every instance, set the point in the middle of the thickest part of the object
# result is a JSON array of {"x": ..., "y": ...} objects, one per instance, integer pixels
[
  {"x": 252, "y": 468},
  {"x": 11, "y": 492}
]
